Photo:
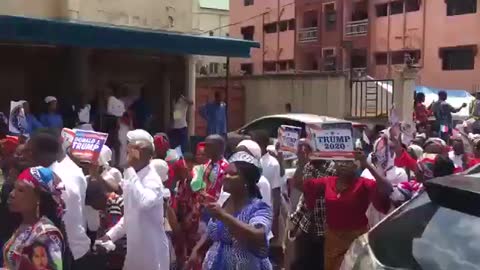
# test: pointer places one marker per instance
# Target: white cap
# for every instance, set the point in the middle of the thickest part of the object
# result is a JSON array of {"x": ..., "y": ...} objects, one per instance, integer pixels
[
  {"x": 50, "y": 99},
  {"x": 113, "y": 176},
  {"x": 140, "y": 135},
  {"x": 105, "y": 156},
  {"x": 253, "y": 147},
  {"x": 161, "y": 167}
]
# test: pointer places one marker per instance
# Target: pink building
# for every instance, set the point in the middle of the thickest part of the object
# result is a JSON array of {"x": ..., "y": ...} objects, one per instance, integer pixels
[
  {"x": 375, "y": 37},
  {"x": 270, "y": 22},
  {"x": 438, "y": 36}
]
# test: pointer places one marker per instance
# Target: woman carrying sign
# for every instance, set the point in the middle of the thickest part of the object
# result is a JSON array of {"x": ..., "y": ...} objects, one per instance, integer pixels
[{"x": 347, "y": 197}]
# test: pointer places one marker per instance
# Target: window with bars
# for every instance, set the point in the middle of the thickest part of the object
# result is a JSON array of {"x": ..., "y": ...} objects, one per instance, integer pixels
[
  {"x": 248, "y": 32},
  {"x": 248, "y": 2},
  {"x": 460, "y": 58},
  {"x": 460, "y": 7},
  {"x": 330, "y": 16},
  {"x": 247, "y": 69}
]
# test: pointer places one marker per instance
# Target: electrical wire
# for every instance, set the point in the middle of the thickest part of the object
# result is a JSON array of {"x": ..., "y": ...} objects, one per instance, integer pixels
[{"x": 248, "y": 19}]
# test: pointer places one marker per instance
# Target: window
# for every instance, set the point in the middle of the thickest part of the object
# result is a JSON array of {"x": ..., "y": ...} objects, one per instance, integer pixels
[
  {"x": 283, "y": 26},
  {"x": 459, "y": 7},
  {"x": 270, "y": 28},
  {"x": 247, "y": 69},
  {"x": 459, "y": 58},
  {"x": 310, "y": 19},
  {"x": 330, "y": 16},
  {"x": 396, "y": 7},
  {"x": 329, "y": 59},
  {"x": 269, "y": 66},
  {"x": 381, "y": 59},
  {"x": 282, "y": 65},
  {"x": 248, "y": 32},
  {"x": 213, "y": 68},
  {"x": 398, "y": 58},
  {"x": 382, "y": 10},
  {"x": 291, "y": 64},
  {"x": 291, "y": 24},
  {"x": 248, "y": 2},
  {"x": 412, "y": 57},
  {"x": 412, "y": 5}
]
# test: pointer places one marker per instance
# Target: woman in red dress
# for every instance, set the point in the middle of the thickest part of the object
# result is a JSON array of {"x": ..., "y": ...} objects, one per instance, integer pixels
[{"x": 347, "y": 197}]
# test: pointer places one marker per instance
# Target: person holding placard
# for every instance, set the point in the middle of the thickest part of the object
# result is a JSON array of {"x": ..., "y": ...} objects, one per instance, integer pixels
[{"x": 347, "y": 198}]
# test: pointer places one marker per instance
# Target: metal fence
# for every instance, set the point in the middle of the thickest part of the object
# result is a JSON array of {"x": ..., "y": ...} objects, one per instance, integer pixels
[{"x": 371, "y": 98}]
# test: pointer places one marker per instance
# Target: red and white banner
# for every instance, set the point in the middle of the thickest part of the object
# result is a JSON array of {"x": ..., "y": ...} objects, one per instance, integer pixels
[{"x": 331, "y": 140}]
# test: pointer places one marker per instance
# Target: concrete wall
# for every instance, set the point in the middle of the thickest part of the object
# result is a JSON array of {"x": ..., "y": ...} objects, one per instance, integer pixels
[
  {"x": 37, "y": 8},
  {"x": 322, "y": 95},
  {"x": 168, "y": 14},
  {"x": 269, "y": 43},
  {"x": 151, "y": 14}
]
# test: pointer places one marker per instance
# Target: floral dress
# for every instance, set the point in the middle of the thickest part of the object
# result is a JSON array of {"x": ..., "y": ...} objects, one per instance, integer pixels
[
  {"x": 227, "y": 253},
  {"x": 37, "y": 247}
]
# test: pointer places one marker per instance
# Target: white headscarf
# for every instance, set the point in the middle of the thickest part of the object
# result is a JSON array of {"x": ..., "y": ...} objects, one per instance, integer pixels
[
  {"x": 253, "y": 147},
  {"x": 105, "y": 156},
  {"x": 138, "y": 135},
  {"x": 161, "y": 167},
  {"x": 50, "y": 99}
]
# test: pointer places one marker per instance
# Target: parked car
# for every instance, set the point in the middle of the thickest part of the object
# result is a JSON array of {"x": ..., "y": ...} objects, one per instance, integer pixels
[
  {"x": 436, "y": 230},
  {"x": 271, "y": 124}
]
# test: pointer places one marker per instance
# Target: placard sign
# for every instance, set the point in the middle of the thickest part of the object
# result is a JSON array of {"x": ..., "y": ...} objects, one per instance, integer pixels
[
  {"x": 288, "y": 137},
  {"x": 17, "y": 122},
  {"x": 331, "y": 140},
  {"x": 86, "y": 145}
]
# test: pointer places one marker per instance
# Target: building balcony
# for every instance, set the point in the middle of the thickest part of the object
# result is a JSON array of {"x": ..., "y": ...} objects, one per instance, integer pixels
[
  {"x": 356, "y": 28},
  {"x": 309, "y": 34},
  {"x": 356, "y": 72}
]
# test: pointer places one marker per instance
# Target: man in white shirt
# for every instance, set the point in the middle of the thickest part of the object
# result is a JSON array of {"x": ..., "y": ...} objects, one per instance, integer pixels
[
  {"x": 179, "y": 135},
  {"x": 115, "y": 106},
  {"x": 45, "y": 149},
  {"x": 143, "y": 220},
  {"x": 272, "y": 171}
]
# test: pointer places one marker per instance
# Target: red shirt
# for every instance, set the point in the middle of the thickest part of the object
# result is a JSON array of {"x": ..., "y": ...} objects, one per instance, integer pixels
[
  {"x": 346, "y": 211},
  {"x": 421, "y": 113},
  {"x": 406, "y": 161},
  {"x": 472, "y": 162}
]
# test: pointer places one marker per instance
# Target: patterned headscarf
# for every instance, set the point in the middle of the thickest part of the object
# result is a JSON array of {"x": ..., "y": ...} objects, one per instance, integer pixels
[
  {"x": 44, "y": 180},
  {"x": 244, "y": 157}
]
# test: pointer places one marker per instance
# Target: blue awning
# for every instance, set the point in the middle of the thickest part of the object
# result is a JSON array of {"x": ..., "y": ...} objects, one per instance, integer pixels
[{"x": 81, "y": 34}]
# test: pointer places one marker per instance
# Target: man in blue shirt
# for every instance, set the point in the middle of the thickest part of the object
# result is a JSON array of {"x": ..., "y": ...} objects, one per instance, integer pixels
[
  {"x": 32, "y": 121},
  {"x": 51, "y": 119},
  {"x": 215, "y": 113}
]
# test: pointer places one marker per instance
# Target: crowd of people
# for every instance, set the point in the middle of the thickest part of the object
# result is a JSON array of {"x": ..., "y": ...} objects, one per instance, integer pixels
[{"x": 210, "y": 209}]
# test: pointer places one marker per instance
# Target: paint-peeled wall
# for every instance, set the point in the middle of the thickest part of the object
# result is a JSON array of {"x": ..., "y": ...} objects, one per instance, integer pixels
[
  {"x": 152, "y": 14},
  {"x": 29, "y": 8}
]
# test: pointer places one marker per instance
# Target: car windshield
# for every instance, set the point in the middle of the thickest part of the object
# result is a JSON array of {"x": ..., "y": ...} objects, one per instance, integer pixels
[{"x": 423, "y": 235}]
